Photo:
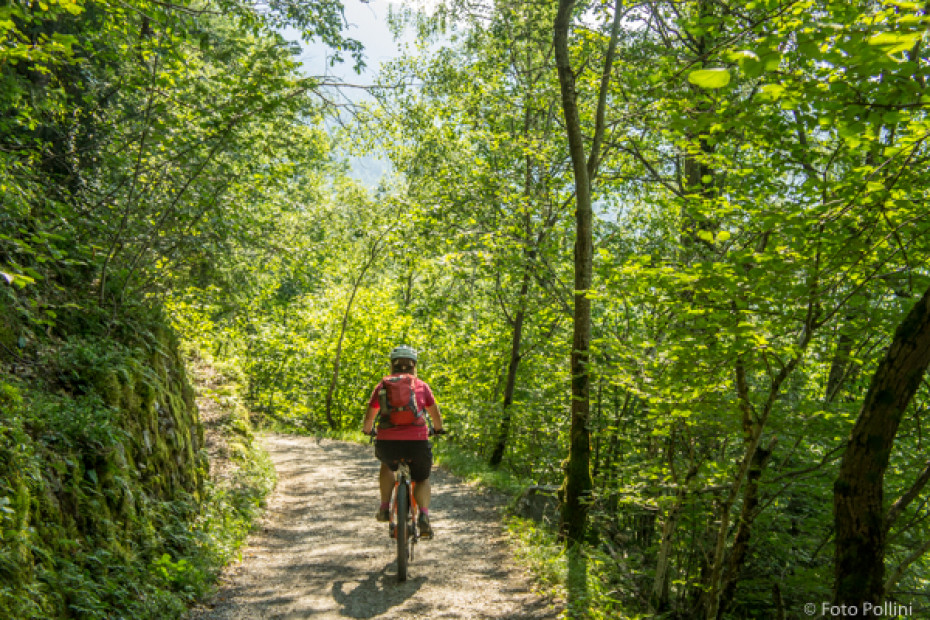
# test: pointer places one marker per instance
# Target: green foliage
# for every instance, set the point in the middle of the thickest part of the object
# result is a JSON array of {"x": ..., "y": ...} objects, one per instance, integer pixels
[
  {"x": 540, "y": 550},
  {"x": 760, "y": 234},
  {"x": 469, "y": 466},
  {"x": 94, "y": 521},
  {"x": 761, "y": 229},
  {"x": 710, "y": 78},
  {"x": 178, "y": 575},
  {"x": 141, "y": 144},
  {"x": 67, "y": 489}
]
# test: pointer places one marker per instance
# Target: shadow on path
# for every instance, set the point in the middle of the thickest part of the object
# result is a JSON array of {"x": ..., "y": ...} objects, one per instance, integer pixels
[{"x": 382, "y": 587}]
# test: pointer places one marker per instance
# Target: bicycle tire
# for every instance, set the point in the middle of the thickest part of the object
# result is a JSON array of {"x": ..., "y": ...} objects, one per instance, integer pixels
[
  {"x": 412, "y": 535},
  {"x": 403, "y": 518}
]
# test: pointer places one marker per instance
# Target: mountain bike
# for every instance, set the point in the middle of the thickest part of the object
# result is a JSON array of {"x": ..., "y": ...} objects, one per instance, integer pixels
[{"x": 404, "y": 513}]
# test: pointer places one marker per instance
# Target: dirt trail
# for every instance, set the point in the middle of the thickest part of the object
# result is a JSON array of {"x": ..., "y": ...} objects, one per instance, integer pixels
[{"x": 319, "y": 553}]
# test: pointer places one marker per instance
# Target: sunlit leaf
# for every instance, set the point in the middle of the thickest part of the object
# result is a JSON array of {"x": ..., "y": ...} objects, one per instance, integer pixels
[
  {"x": 710, "y": 78},
  {"x": 772, "y": 92},
  {"x": 893, "y": 42}
]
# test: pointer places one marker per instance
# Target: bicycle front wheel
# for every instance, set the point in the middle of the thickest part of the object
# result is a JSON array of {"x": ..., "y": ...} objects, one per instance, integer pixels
[{"x": 403, "y": 518}]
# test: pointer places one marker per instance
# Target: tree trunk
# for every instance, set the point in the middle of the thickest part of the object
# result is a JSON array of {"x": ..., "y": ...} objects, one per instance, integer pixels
[
  {"x": 577, "y": 485},
  {"x": 778, "y": 601},
  {"x": 839, "y": 367},
  {"x": 369, "y": 261},
  {"x": 338, "y": 357},
  {"x": 753, "y": 427},
  {"x": 529, "y": 256},
  {"x": 576, "y": 489},
  {"x": 597, "y": 423},
  {"x": 747, "y": 516},
  {"x": 858, "y": 510},
  {"x": 658, "y": 600},
  {"x": 912, "y": 557},
  {"x": 607, "y": 478},
  {"x": 511, "y": 382}
]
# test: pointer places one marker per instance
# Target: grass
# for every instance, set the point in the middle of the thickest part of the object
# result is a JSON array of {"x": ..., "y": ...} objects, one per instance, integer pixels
[
  {"x": 474, "y": 469},
  {"x": 539, "y": 550}
]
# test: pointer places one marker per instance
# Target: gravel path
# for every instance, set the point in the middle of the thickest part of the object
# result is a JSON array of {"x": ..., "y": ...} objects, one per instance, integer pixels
[{"x": 319, "y": 553}]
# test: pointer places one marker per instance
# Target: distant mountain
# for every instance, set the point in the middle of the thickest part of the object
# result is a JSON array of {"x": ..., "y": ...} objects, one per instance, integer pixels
[{"x": 369, "y": 170}]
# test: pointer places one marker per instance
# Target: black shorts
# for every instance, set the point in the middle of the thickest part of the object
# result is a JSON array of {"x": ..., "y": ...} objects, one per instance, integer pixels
[{"x": 419, "y": 453}]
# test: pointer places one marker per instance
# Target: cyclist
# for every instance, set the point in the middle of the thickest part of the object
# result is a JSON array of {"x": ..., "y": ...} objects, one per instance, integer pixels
[{"x": 405, "y": 441}]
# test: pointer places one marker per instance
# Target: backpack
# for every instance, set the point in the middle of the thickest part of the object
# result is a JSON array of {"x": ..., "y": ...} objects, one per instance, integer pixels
[{"x": 398, "y": 399}]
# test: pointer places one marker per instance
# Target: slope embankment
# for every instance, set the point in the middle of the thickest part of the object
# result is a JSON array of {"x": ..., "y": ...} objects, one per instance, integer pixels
[{"x": 101, "y": 475}]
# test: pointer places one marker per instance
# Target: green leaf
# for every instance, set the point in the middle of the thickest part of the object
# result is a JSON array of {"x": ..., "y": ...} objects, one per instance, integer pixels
[
  {"x": 710, "y": 78},
  {"x": 851, "y": 136},
  {"x": 772, "y": 92},
  {"x": 903, "y": 4},
  {"x": 892, "y": 42},
  {"x": 18, "y": 279},
  {"x": 72, "y": 7},
  {"x": 772, "y": 61},
  {"x": 749, "y": 62}
]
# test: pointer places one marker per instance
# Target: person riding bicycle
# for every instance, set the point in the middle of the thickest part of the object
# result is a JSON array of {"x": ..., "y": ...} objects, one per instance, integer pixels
[{"x": 403, "y": 440}]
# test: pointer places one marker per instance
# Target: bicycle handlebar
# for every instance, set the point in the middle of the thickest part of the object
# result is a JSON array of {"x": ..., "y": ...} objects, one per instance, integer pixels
[{"x": 432, "y": 432}]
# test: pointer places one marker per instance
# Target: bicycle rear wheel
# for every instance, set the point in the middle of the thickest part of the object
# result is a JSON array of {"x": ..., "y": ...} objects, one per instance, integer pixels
[{"x": 403, "y": 518}]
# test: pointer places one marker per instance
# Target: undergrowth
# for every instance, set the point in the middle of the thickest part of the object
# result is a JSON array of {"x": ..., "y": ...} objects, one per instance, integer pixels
[
  {"x": 469, "y": 466},
  {"x": 105, "y": 506}
]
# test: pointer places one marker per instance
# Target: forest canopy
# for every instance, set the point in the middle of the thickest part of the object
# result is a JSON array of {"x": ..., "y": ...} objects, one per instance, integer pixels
[{"x": 669, "y": 256}]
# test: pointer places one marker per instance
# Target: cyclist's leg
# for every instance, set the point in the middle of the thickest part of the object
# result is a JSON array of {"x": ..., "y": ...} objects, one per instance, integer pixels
[
  {"x": 385, "y": 451},
  {"x": 421, "y": 492},
  {"x": 420, "y": 454},
  {"x": 386, "y": 483}
]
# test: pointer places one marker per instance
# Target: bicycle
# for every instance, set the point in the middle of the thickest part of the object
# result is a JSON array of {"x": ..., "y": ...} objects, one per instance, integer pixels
[{"x": 404, "y": 513}]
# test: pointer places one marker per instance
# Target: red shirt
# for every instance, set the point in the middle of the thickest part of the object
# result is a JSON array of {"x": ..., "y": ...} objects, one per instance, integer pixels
[{"x": 425, "y": 399}]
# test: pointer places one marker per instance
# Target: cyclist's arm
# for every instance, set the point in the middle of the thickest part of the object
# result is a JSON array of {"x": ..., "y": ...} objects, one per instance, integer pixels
[
  {"x": 369, "y": 420},
  {"x": 433, "y": 411}
]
